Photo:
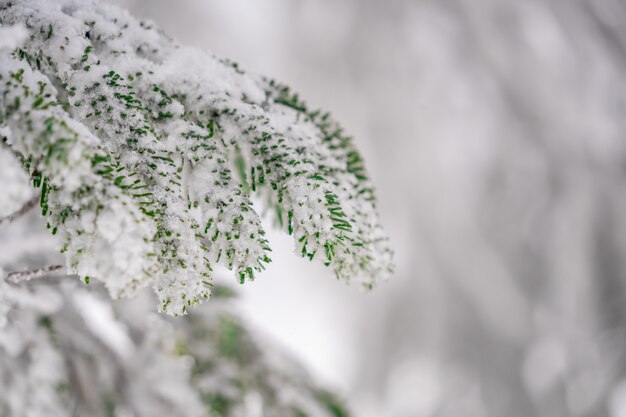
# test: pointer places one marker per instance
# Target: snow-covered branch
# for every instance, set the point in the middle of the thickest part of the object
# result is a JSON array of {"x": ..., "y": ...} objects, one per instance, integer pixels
[
  {"x": 147, "y": 155},
  {"x": 69, "y": 351},
  {"x": 16, "y": 277}
]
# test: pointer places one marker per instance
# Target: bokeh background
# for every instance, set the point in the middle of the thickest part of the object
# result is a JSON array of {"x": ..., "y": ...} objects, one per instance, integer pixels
[{"x": 495, "y": 134}]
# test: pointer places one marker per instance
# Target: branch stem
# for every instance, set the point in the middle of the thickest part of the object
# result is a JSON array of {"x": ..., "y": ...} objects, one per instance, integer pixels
[
  {"x": 17, "y": 277},
  {"x": 19, "y": 213}
]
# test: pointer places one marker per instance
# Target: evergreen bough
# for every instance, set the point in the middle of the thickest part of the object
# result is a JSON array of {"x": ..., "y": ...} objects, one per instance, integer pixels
[{"x": 147, "y": 155}]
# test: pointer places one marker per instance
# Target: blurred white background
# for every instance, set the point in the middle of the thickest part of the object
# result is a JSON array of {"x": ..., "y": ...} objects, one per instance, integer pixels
[{"x": 494, "y": 131}]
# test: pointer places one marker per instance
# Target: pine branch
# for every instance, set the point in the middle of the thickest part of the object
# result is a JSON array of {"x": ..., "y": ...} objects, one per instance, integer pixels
[{"x": 148, "y": 179}]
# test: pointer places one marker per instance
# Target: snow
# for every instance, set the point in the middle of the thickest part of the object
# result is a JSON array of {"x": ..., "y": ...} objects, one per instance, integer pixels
[{"x": 12, "y": 36}]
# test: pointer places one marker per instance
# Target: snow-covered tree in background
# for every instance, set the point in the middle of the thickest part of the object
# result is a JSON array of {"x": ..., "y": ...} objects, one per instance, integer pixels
[{"x": 144, "y": 157}]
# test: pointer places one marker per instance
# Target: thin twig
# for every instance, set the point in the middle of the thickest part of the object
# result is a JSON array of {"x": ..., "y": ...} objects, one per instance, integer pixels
[
  {"x": 17, "y": 277},
  {"x": 22, "y": 211}
]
